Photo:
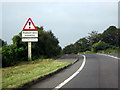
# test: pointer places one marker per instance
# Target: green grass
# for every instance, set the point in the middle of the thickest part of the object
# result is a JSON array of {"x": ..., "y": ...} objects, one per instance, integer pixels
[
  {"x": 110, "y": 51},
  {"x": 16, "y": 76},
  {"x": 86, "y": 52},
  {"x": 0, "y": 49}
]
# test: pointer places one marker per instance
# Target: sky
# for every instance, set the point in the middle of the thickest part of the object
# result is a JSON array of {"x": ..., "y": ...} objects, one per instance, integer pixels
[{"x": 69, "y": 21}]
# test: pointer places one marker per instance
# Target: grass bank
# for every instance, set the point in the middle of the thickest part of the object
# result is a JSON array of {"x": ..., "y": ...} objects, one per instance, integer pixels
[
  {"x": 110, "y": 51},
  {"x": 16, "y": 76}
]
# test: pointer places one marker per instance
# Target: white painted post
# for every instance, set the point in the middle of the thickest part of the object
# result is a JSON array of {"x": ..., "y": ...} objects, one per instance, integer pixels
[{"x": 29, "y": 52}]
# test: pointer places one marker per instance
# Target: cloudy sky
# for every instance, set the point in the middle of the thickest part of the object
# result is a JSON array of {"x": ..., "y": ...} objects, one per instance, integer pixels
[{"x": 69, "y": 21}]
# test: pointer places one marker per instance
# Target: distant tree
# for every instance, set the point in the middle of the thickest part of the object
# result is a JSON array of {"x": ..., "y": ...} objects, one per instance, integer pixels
[
  {"x": 69, "y": 49},
  {"x": 111, "y": 36},
  {"x": 82, "y": 45},
  {"x": 94, "y": 37}
]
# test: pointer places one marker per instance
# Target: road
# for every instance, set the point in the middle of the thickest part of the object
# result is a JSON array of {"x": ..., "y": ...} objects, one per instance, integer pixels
[{"x": 99, "y": 71}]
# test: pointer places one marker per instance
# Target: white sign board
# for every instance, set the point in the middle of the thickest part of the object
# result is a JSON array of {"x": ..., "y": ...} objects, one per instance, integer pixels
[
  {"x": 29, "y": 34},
  {"x": 26, "y": 39}
]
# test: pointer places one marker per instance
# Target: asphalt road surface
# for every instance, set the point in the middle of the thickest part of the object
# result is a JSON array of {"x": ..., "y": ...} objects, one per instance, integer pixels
[{"x": 99, "y": 71}]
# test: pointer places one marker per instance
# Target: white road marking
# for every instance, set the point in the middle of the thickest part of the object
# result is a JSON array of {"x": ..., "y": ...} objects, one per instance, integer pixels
[
  {"x": 108, "y": 55},
  {"x": 71, "y": 77}
]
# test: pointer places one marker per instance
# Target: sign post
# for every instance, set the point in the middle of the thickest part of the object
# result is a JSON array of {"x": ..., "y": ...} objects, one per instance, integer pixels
[
  {"x": 29, "y": 34},
  {"x": 29, "y": 51}
]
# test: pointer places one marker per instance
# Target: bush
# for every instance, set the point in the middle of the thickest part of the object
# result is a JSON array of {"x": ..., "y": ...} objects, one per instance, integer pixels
[
  {"x": 100, "y": 46},
  {"x": 7, "y": 56},
  {"x": 12, "y": 55}
]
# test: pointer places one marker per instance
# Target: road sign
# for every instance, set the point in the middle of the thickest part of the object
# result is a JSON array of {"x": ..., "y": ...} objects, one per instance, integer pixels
[
  {"x": 25, "y": 39},
  {"x": 29, "y": 25},
  {"x": 30, "y": 34}
]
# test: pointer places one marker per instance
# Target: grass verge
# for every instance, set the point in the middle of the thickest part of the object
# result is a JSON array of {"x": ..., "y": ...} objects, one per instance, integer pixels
[
  {"x": 117, "y": 51},
  {"x": 16, "y": 76},
  {"x": 86, "y": 52}
]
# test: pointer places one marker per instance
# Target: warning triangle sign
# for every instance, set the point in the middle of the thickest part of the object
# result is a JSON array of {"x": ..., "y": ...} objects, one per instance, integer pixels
[{"x": 29, "y": 25}]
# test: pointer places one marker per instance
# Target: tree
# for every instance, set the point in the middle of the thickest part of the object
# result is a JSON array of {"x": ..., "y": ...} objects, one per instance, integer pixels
[
  {"x": 94, "y": 37},
  {"x": 118, "y": 38},
  {"x": 2, "y": 43},
  {"x": 69, "y": 49},
  {"x": 47, "y": 45},
  {"x": 100, "y": 46},
  {"x": 82, "y": 45},
  {"x": 111, "y": 36}
]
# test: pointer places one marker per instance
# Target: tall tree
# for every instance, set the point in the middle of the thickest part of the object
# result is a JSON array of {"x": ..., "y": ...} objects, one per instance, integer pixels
[
  {"x": 94, "y": 37},
  {"x": 82, "y": 45},
  {"x": 110, "y": 36}
]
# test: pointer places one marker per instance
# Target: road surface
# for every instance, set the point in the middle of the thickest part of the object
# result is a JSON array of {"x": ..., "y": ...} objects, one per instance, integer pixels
[{"x": 99, "y": 71}]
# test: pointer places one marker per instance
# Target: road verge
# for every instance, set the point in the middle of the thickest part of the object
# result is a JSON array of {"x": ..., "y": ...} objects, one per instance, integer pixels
[
  {"x": 9, "y": 73},
  {"x": 27, "y": 85}
]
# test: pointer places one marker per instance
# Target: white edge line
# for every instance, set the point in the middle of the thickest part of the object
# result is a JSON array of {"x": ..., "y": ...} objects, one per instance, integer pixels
[
  {"x": 109, "y": 56},
  {"x": 71, "y": 77}
]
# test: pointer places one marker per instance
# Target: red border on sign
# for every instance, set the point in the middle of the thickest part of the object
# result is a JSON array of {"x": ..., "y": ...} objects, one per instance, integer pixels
[{"x": 26, "y": 24}]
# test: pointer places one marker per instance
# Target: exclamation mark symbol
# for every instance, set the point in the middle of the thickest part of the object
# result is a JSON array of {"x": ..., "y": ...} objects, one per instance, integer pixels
[{"x": 29, "y": 25}]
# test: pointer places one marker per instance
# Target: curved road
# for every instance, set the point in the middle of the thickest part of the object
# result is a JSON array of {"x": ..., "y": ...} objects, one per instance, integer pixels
[{"x": 99, "y": 72}]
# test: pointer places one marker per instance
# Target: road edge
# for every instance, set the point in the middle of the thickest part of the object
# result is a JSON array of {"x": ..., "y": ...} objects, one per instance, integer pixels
[
  {"x": 109, "y": 56},
  {"x": 72, "y": 76}
]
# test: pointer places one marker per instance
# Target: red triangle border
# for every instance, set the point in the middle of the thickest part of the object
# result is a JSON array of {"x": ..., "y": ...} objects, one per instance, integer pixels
[{"x": 26, "y": 24}]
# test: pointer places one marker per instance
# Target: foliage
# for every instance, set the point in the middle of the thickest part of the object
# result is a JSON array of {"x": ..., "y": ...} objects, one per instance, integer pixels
[
  {"x": 110, "y": 50},
  {"x": 110, "y": 39},
  {"x": 118, "y": 37},
  {"x": 100, "y": 46},
  {"x": 110, "y": 36},
  {"x": 46, "y": 47},
  {"x": 94, "y": 37},
  {"x": 12, "y": 55},
  {"x": 70, "y": 49},
  {"x": 82, "y": 45},
  {"x": 2, "y": 43}
]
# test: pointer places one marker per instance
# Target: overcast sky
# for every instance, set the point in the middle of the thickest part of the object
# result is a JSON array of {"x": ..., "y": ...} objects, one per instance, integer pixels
[{"x": 69, "y": 21}]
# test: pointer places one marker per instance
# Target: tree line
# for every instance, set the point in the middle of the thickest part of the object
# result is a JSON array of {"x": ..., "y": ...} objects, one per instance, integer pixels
[
  {"x": 96, "y": 42},
  {"x": 46, "y": 47}
]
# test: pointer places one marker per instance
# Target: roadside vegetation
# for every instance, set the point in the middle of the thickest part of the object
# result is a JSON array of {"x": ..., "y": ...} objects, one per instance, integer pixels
[
  {"x": 16, "y": 76},
  {"x": 17, "y": 70},
  {"x": 106, "y": 42},
  {"x": 46, "y": 47}
]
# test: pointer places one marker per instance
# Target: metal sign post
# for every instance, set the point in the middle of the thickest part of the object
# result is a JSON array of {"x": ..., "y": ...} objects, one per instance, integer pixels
[{"x": 29, "y": 34}]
